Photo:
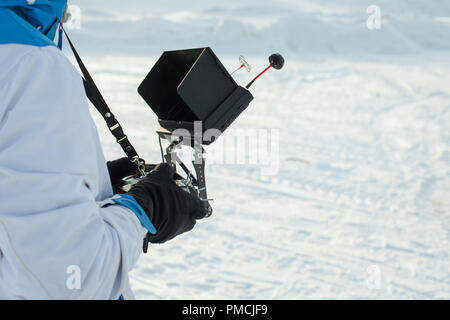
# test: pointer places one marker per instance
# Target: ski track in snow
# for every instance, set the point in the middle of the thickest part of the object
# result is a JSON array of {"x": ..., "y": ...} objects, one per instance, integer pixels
[
  {"x": 363, "y": 117},
  {"x": 363, "y": 181}
]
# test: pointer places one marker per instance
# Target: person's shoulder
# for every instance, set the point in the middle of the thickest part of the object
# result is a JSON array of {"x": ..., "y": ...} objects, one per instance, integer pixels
[{"x": 14, "y": 56}]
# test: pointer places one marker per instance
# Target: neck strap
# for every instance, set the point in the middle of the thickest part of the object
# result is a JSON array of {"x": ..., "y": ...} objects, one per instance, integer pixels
[{"x": 94, "y": 95}]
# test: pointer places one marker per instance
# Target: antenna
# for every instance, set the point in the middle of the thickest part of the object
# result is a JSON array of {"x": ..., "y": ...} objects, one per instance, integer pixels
[{"x": 276, "y": 61}]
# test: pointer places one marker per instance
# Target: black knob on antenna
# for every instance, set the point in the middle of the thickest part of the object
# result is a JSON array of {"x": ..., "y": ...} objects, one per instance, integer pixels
[{"x": 277, "y": 61}]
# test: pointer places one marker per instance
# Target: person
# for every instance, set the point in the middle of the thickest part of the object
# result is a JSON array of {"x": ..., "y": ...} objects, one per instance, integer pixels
[{"x": 59, "y": 218}]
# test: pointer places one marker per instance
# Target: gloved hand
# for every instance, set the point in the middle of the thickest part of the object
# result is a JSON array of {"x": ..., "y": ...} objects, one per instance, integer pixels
[
  {"x": 171, "y": 210},
  {"x": 121, "y": 168}
]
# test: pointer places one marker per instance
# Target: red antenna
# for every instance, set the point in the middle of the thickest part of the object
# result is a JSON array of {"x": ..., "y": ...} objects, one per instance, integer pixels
[{"x": 276, "y": 61}]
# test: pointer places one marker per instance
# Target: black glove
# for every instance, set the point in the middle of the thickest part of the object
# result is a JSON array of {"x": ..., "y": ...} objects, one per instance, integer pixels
[
  {"x": 171, "y": 210},
  {"x": 121, "y": 168}
]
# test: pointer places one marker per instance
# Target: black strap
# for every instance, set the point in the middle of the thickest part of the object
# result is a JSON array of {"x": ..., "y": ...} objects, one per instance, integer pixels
[{"x": 94, "y": 95}]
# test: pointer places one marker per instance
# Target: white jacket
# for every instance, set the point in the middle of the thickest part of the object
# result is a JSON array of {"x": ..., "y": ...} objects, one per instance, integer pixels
[{"x": 56, "y": 217}]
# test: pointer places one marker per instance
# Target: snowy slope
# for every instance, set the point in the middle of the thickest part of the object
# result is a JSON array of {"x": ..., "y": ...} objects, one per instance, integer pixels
[{"x": 360, "y": 192}]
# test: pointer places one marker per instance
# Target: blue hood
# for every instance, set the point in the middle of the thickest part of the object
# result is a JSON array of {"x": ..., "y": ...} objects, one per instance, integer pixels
[{"x": 31, "y": 22}]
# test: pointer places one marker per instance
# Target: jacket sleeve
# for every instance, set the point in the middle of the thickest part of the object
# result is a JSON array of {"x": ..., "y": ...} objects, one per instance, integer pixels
[{"x": 57, "y": 225}]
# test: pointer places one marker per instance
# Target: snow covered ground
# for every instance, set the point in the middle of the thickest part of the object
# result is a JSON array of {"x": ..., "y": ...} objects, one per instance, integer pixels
[{"x": 358, "y": 204}]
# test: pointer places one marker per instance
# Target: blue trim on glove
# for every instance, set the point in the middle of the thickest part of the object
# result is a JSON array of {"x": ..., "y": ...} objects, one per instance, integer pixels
[{"x": 129, "y": 202}]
